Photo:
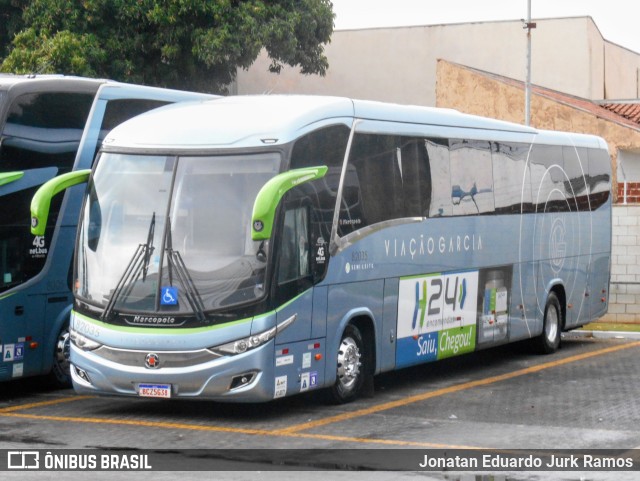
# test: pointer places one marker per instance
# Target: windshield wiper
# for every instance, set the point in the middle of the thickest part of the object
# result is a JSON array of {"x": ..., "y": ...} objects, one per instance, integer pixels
[
  {"x": 177, "y": 265},
  {"x": 139, "y": 263}
]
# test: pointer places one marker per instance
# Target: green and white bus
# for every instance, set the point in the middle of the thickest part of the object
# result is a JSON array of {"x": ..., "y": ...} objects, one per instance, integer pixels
[
  {"x": 50, "y": 125},
  {"x": 251, "y": 248}
]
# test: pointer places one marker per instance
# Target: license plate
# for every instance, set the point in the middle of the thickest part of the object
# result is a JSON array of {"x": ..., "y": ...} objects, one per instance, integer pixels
[{"x": 154, "y": 390}]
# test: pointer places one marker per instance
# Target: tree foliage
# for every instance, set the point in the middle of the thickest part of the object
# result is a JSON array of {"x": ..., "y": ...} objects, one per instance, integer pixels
[{"x": 189, "y": 44}]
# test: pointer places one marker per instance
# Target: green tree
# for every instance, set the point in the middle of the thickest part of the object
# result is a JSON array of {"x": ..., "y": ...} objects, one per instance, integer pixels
[
  {"x": 10, "y": 22},
  {"x": 189, "y": 44}
]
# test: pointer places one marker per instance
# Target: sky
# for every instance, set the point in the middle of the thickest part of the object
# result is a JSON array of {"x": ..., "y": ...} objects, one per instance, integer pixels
[{"x": 617, "y": 20}]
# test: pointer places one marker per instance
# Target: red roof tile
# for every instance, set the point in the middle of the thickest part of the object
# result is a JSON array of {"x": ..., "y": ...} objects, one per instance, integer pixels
[{"x": 630, "y": 111}]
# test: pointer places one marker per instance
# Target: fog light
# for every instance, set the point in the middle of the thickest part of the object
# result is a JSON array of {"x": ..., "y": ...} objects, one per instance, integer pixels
[
  {"x": 82, "y": 374},
  {"x": 241, "y": 380}
]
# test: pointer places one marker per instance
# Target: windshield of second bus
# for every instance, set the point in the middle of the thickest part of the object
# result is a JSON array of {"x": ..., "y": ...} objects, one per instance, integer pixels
[{"x": 158, "y": 232}]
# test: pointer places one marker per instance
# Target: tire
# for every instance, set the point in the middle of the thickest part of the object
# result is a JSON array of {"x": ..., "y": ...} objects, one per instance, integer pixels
[
  {"x": 60, "y": 375},
  {"x": 351, "y": 368},
  {"x": 549, "y": 341}
]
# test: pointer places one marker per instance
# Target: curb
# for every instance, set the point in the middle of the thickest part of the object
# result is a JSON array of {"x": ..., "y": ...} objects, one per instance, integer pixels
[{"x": 603, "y": 334}]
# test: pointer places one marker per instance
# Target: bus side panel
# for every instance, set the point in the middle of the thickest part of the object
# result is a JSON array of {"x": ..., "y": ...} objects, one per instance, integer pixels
[
  {"x": 22, "y": 323},
  {"x": 319, "y": 316},
  {"x": 525, "y": 320},
  {"x": 346, "y": 303},
  {"x": 300, "y": 330},
  {"x": 601, "y": 261},
  {"x": 387, "y": 360}
]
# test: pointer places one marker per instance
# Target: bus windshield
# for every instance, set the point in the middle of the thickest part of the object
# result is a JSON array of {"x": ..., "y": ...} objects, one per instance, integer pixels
[{"x": 172, "y": 235}]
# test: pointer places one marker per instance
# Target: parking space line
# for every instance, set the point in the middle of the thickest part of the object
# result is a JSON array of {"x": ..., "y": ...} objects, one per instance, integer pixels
[
  {"x": 296, "y": 431},
  {"x": 128, "y": 422},
  {"x": 253, "y": 432},
  {"x": 22, "y": 407},
  {"x": 452, "y": 389}
]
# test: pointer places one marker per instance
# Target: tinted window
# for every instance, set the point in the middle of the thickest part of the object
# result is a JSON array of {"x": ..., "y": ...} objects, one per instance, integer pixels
[
  {"x": 599, "y": 178},
  {"x": 471, "y": 177},
  {"x": 22, "y": 255},
  {"x": 120, "y": 110},
  {"x": 377, "y": 167},
  {"x": 325, "y": 146},
  {"x": 321, "y": 147},
  {"x": 416, "y": 177},
  {"x": 294, "y": 251},
  {"x": 438, "y": 155},
  {"x": 511, "y": 178},
  {"x": 576, "y": 166},
  {"x": 548, "y": 179},
  {"x": 44, "y": 129}
]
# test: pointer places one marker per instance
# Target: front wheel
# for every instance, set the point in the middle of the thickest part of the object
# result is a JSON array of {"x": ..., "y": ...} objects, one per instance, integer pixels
[
  {"x": 60, "y": 375},
  {"x": 549, "y": 340},
  {"x": 351, "y": 366}
]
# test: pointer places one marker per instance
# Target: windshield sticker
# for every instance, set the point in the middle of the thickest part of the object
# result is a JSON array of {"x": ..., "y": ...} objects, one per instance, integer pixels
[
  {"x": 39, "y": 250},
  {"x": 321, "y": 250},
  {"x": 169, "y": 296}
]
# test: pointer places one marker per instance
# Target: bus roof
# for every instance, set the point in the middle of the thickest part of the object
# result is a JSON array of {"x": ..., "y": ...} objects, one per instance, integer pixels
[
  {"x": 33, "y": 82},
  {"x": 256, "y": 120}
]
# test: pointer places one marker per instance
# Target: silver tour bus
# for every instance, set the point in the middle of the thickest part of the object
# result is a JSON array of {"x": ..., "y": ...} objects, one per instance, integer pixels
[{"x": 251, "y": 248}]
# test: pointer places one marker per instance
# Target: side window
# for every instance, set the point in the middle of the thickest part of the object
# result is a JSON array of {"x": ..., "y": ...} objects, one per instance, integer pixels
[
  {"x": 394, "y": 177},
  {"x": 471, "y": 177},
  {"x": 376, "y": 167},
  {"x": 23, "y": 255},
  {"x": 119, "y": 110},
  {"x": 548, "y": 179},
  {"x": 294, "y": 246},
  {"x": 43, "y": 130},
  {"x": 511, "y": 178},
  {"x": 599, "y": 178},
  {"x": 440, "y": 170},
  {"x": 576, "y": 166},
  {"x": 324, "y": 146},
  {"x": 416, "y": 177}
]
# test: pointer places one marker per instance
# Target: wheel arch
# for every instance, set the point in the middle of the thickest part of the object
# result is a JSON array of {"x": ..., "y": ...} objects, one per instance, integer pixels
[
  {"x": 63, "y": 318},
  {"x": 364, "y": 320},
  {"x": 559, "y": 291}
]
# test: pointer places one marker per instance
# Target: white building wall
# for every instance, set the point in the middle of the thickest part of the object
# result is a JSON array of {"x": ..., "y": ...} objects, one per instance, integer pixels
[
  {"x": 624, "y": 290},
  {"x": 399, "y": 64}
]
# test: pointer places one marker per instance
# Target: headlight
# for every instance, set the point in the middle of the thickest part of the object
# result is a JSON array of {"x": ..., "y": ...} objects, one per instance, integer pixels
[
  {"x": 83, "y": 342},
  {"x": 245, "y": 344},
  {"x": 251, "y": 342}
]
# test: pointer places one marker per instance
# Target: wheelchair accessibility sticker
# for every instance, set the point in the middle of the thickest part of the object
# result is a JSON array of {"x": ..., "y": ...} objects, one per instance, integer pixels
[{"x": 169, "y": 296}]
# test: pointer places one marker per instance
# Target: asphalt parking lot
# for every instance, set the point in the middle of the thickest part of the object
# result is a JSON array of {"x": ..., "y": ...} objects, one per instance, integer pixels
[{"x": 585, "y": 396}]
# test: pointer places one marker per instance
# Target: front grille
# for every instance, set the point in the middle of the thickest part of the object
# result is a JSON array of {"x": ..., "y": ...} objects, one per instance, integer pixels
[{"x": 167, "y": 358}]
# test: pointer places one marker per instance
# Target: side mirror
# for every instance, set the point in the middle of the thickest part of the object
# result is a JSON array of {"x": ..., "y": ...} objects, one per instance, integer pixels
[
  {"x": 41, "y": 201},
  {"x": 267, "y": 200}
]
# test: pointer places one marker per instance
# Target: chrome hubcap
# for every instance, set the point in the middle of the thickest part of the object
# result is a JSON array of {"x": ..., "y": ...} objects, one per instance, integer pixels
[
  {"x": 348, "y": 362},
  {"x": 61, "y": 358},
  {"x": 551, "y": 327}
]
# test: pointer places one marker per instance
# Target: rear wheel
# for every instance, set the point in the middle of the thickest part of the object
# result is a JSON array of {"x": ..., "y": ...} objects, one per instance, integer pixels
[
  {"x": 351, "y": 367},
  {"x": 549, "y": 340}
]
